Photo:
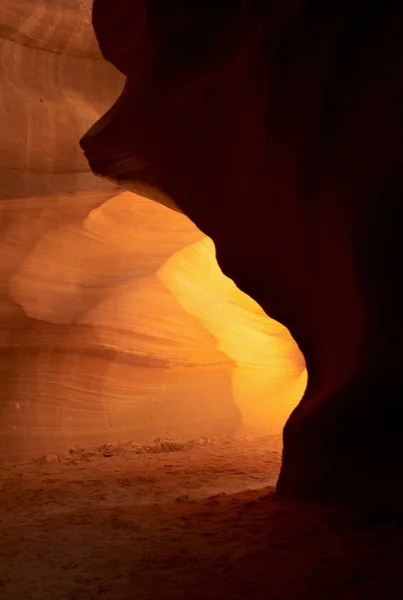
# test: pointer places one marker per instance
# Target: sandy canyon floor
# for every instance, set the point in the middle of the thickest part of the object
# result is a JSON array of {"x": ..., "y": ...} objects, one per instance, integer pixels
[{"x": 194, "y": 521}]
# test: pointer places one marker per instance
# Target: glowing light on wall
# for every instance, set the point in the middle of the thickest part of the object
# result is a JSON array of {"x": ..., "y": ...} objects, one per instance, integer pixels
[{"x": 270, "y": 376}]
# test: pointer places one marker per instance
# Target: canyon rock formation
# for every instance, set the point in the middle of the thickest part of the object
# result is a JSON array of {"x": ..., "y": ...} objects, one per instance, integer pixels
[
  {"x": 116, "y": 322},
  {"x": 276, "y": 127}
]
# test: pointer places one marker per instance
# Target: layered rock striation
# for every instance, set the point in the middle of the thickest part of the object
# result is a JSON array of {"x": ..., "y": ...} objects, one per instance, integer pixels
[{"x": 116, "y": 323}]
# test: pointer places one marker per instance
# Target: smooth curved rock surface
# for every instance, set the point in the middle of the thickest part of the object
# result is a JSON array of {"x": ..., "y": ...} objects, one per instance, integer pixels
[
  {"x": 50, "y": 69},
  {"x": 116, "y": 326},
  {"x": 276, "y": 127},
  {"x": 116, "y": 321}
]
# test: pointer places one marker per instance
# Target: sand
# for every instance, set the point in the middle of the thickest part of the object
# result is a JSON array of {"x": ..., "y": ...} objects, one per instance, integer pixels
[{"x": 194, "y": 521}]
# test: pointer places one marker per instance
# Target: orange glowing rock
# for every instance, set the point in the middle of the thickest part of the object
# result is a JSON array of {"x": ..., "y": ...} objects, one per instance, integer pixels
[{"x": 116, "y": 322}]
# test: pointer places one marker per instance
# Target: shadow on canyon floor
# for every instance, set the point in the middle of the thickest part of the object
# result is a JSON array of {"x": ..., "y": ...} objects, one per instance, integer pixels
[{"x": 152, "y": 522}]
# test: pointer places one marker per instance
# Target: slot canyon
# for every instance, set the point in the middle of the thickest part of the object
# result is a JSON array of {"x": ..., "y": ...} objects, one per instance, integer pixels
[{"x": 201, "y": 323}]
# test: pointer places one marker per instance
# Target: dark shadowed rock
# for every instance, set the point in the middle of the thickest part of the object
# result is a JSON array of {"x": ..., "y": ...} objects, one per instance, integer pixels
[{"x": 276, "y": 127}]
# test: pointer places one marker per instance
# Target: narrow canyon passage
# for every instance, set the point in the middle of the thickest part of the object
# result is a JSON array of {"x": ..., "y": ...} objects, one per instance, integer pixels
[
  {"x": 156, "y": 434},
  {"x": 135, "y": 378},
  {"x": 143, "y": 395},
  {"x": 118, "y": 326}
]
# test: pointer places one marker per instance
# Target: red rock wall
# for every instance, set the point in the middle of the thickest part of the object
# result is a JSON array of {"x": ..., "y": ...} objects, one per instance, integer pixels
[{"x": 103, "y": 334}]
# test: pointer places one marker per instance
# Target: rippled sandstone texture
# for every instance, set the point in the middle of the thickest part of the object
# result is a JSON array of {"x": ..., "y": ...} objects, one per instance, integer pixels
[
  {"x": 276, "y": 127},
  {"x": 116, "y": 322}
]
